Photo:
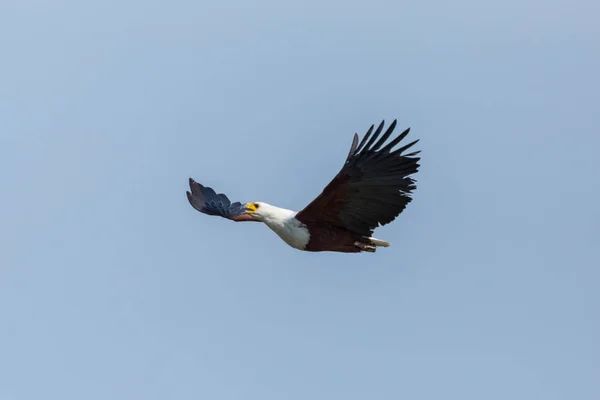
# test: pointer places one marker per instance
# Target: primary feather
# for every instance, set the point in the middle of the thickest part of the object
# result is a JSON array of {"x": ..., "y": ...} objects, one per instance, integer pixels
[{"x": 372, "y": 188}]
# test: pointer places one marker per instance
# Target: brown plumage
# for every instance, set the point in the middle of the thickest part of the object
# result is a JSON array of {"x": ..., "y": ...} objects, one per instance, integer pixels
[{"x": 372, "y": 189}]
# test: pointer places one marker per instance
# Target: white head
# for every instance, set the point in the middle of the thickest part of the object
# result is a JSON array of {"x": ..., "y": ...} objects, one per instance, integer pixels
[{"x": 265, "y": 212}]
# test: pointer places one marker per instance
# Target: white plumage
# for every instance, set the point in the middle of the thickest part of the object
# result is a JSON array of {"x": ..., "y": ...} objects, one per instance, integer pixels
[
  {"x": 284, "y": 223},
  {"x": 372, "y": 188}
]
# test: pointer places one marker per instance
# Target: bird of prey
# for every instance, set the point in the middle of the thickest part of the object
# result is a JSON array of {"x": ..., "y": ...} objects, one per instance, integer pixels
[{"x": 372, "y": 189}]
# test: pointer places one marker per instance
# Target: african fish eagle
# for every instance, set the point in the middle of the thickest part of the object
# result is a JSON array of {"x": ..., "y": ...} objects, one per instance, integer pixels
[{"x": 372, "y": 189}]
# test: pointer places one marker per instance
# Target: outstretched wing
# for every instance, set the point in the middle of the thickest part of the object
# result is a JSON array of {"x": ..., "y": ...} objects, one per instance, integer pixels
[
  {"x": 207, "y": 201},
  {"x": 372, "y": 188}
]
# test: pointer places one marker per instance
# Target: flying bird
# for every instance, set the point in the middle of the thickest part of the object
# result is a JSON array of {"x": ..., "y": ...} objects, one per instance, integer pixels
[{"x": 371, "y": 190}]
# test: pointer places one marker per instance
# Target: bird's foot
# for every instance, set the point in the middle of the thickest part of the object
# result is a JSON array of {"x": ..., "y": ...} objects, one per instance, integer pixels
[{"x": 365, "y": 247}]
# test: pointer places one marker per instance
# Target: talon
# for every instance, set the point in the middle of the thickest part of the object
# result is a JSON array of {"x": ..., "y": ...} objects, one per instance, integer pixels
[{"x": 365, "y": 247}]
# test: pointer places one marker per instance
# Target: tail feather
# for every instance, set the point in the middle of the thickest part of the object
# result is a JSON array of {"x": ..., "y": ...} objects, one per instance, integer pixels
[{"x": 379, "y": 243}]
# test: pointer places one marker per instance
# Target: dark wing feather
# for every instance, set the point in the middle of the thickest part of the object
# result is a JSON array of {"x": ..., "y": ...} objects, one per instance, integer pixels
[
  {"x": 207, "y": 201},
  {"x": 372, "y": 188}
]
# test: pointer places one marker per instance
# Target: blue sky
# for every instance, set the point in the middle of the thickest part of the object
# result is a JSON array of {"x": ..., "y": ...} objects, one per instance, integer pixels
[{"x": 113, "y": 287}]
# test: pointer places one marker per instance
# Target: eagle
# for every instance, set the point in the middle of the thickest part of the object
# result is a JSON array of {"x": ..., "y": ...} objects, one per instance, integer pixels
[{"x": 371, "y": 190}]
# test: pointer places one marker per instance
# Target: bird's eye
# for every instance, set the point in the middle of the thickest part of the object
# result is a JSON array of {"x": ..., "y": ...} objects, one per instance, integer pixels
[{"x": 256, "y": 205}]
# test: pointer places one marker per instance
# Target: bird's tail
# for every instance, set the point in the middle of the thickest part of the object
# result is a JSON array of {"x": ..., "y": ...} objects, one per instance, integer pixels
[{"x": 379, "y": 243}]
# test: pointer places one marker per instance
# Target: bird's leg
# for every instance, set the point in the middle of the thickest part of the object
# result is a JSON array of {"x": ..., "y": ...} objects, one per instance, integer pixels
[{"x": 365, "y": 247}]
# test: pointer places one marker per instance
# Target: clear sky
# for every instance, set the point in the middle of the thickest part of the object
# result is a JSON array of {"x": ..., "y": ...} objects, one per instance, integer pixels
[{"x": 113, "y": 287}]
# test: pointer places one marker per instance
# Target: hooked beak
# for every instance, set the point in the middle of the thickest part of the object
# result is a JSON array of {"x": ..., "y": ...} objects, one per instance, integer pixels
[
  {"x": 250, "y": 208},
  {"x": 247, "y": 214}
]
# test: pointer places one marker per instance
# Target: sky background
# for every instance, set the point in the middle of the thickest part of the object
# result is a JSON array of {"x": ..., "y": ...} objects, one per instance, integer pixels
[{"x": 113, "y": 287}]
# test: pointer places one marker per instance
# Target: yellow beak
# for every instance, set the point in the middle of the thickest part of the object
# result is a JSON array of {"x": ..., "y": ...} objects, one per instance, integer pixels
[{"x": 250, "y": 208}]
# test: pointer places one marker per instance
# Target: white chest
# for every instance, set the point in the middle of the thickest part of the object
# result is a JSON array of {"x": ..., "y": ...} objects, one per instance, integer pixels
[{"x": 291, "y": 231}]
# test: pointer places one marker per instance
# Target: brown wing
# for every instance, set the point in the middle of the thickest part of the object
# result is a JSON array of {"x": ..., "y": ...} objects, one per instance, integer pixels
[{"x": 372, "y": 188}]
